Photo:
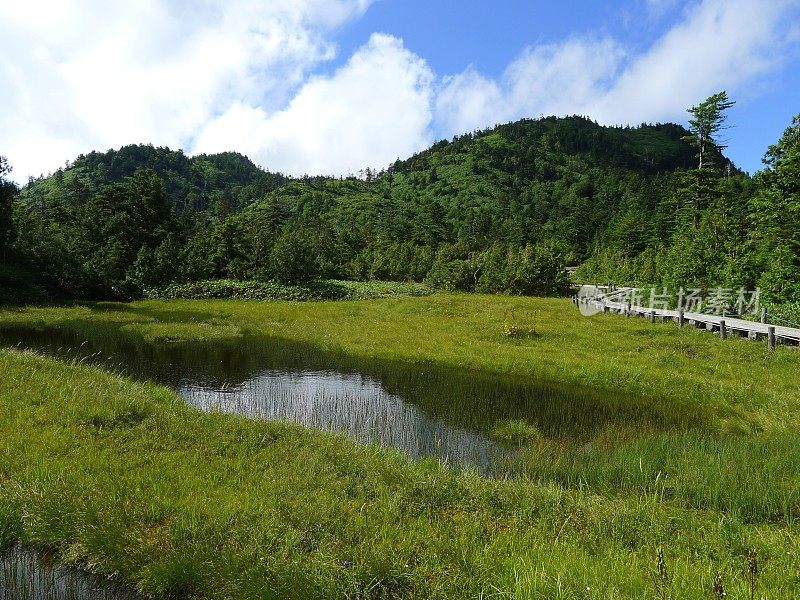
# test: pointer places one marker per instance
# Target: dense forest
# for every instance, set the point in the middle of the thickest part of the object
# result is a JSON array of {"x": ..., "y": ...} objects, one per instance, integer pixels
[{"x": 499, "y": 210}]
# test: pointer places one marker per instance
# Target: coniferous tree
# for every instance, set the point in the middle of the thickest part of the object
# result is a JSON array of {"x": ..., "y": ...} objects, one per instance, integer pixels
[
  {"x": 7, "y": 192},
  {"x": 707, "y": 120},
  {"x": 775, "y": 215}
]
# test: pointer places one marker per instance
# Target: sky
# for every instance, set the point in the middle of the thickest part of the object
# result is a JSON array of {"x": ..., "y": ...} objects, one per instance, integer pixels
[{"x": 334, "y": 86}]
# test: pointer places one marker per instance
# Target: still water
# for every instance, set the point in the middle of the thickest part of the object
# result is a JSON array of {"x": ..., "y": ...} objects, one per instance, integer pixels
[
  {"x": 422, "y": 410},
  {"x": 28, "y": 576}
]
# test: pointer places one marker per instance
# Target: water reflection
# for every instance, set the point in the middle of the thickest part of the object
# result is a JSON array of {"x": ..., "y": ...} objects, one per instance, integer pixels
[
  {"x": 27, "y": 576},
  {"x": 422, "y": 410},
  {"x": 353, "y": 404}
]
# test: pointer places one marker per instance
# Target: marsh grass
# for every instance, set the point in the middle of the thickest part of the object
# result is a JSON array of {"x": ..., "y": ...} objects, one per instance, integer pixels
[
  {"x": 195, "y": 504},
  {"x": 516, "y": 431},
  {"x": 721, "y": 452},
  {"x": 658, "y": 437},
  {"x": 740, "y": 385}
]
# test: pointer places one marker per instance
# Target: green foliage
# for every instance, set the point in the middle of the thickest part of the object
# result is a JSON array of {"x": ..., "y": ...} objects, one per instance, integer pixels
[
  {"x": 191, "y": 184},
  {"x": 7, "y": 192},
  {"x": 291, "y": 259},
  {"x": 270, "y": 290},
  {"x": 734, "y": 232},
  {"x": 707, "y": 120},
  {"x": 499, "y": 211},
  {"x": 775, "y": 211},
  {"x": 18, "y": 286}
]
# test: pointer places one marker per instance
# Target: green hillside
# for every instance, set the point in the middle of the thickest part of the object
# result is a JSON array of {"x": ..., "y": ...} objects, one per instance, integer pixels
[
  {"x": 194, "y": 184},
  {"x": 500, "y": 210}
]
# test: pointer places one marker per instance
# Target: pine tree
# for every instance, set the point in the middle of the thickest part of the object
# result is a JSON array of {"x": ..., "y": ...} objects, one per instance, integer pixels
[
  {"x": 7, "y": 192},
  {"x": 706, "y": 122}
]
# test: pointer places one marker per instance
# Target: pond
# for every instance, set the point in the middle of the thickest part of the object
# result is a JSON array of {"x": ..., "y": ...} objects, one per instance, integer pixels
[{"x": 423, "y": 410}]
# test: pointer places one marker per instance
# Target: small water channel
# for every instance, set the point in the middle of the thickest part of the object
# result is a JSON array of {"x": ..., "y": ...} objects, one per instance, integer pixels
[{"x": 26, "y": 575}]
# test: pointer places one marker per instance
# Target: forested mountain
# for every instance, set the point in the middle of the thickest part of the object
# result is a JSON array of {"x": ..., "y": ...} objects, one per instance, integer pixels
[
  {"x": 503, "y": 209},
  {"x": 224, "y": 182}
]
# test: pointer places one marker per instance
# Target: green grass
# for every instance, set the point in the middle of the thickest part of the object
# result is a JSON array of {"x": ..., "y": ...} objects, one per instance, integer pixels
[
  {"x": 515, "y": 431},
  {"x": 744, "y": 387},
  {"x": 123, "y": 477}
]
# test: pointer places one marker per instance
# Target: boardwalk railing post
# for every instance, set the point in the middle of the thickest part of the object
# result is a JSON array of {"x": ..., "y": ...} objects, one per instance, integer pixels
[
  {"x": 723, "y": 330},
  {"x": 652, "y": 316},
  {"x": 771, "y": 338},
  {"x": 680, "y": 318},
  {"x": 763, "y": 314}
]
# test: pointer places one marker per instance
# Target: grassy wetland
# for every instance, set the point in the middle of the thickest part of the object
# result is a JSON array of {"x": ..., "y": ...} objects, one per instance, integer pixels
[{"x": 649, "y": 438}]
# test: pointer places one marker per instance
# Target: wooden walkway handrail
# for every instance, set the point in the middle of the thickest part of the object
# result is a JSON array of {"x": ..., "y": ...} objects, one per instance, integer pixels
[{"x": 725, "y": 325}]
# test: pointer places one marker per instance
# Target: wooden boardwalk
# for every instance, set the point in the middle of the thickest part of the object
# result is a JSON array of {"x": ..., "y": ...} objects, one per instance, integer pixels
[{"x": 724, "y": 325}]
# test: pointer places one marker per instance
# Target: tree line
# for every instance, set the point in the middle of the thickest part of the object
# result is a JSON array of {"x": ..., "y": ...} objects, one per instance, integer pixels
[{"x": 498, "y": 210}]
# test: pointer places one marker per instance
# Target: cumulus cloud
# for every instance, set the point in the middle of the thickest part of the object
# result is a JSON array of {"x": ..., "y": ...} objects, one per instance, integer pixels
[
  {"x": 86, "y": 74},
  {"x": 551, "y": 79},
  {"x": 208, "y": 75},
  {"x": 718, "y": 44},
  {"x": 374, "y": 109},
  {"x": 468, "y": 101}
]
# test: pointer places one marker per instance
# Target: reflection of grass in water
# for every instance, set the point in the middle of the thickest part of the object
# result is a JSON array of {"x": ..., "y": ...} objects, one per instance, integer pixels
[{"x": 24, "y": 575}]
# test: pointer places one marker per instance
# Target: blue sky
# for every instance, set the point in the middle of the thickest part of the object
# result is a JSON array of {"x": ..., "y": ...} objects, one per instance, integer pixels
[
  {"x": 454, "y": 34},
  {"x": 333, "y": 86}
]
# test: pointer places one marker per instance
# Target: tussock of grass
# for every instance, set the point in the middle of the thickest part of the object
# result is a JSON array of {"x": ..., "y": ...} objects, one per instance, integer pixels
[
  {"x": 515, "y": 431},
  {"x": 182, "y": 332}
]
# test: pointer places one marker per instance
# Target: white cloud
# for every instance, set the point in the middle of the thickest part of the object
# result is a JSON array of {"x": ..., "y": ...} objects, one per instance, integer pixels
[
  {"x": 90, "y": 74},
  {"x": 374, "y": 109},
  {"x": 209, "y": 75},
  {"x": 566, "y": 77},
  {"x": 722, "y": 44},
  {"x": 552, "y": 79},
  {"x": 719, "y": 44},
  {"x": 468, "y": 101}
]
